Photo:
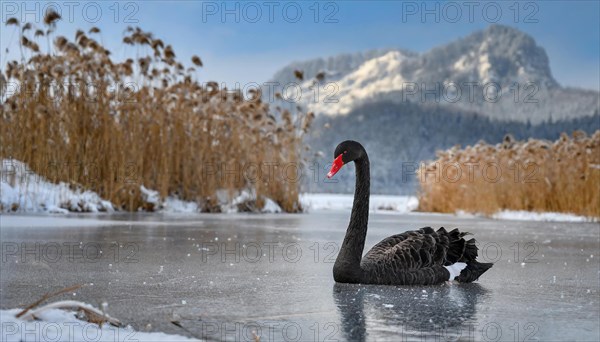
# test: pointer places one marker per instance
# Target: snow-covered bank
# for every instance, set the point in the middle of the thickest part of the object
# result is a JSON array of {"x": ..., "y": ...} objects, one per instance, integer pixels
[
  {"x": 22, "y": 190},
  {"x": 406, "y": 204},
  {"x": 519, "y": 215},
  {"x": 400, "y": 204},
  {"x": 60, "y": 325},
  {"x": 240, "y": 201}
]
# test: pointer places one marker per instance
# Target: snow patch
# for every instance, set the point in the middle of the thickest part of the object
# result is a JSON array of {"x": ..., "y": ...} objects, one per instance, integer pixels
[
  {"x": 533, "y": 216},
  {"x": 271, "y": 207},
  {"x": 150, "y": 196},
  {"x": 60, "y": 325},
  {"x": 375, "y": 76},
  {"x": 484, "y": 67},
  {"x": 175, "y": 205},
  {"x": 401, "y": 204},
  {"x": 245, "y": 200},
  {"x": 461, "y": 64},
  {"x": 171, "y": 204},
  {"x": 522, "y": 215},
  {"x": 22, "y": 190}
]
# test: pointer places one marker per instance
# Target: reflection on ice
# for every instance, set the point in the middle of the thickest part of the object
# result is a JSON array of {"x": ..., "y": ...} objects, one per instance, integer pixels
[{"x": 401, "y": 312}]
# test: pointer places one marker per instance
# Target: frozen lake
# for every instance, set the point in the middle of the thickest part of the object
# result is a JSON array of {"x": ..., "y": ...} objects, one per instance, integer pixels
[{"x": 224, "y": 276}]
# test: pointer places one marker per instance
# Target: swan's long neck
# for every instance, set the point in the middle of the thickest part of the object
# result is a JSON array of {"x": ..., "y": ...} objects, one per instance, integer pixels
[{"x": 347, "y": 263}]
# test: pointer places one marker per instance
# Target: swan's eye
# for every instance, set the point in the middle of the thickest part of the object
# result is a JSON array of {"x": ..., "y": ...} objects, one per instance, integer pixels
[{"x": 345, "y": 152}]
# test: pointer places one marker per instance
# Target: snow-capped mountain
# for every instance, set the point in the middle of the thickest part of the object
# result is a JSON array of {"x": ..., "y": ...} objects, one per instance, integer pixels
[
  {"x": 335, "y": 67},
  {"x": 374, "y": 77},
  {"x": 498, "y": 54},
  {"x": 500, "y": 73}
]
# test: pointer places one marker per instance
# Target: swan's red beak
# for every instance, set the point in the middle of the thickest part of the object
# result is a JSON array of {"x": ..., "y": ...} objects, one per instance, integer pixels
[{"x": 336, "y": 166}]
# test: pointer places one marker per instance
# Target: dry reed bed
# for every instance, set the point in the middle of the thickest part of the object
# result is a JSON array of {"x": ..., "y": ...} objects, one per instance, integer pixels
[
  {"x": 80, "y": 117},
  {"x": 536, "y": 175}
]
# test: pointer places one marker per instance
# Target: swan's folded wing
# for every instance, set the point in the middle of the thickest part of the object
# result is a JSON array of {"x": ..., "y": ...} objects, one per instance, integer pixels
[
  {"x": 411, "y": 258},
  {"x": 409, "y": 250}
]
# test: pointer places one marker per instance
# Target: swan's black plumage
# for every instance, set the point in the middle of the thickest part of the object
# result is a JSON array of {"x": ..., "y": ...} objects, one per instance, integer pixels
[{"x": 411, "y": 258}]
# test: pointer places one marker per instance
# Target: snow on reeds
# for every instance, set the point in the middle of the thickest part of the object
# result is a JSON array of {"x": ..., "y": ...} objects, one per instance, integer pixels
[
  {"x": 76, "y": 115},
  {"x": 534, "y": 175}
]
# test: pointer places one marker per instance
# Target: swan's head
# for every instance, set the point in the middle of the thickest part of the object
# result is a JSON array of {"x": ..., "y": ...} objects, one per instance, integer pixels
[{"x": 346, "y": 152}]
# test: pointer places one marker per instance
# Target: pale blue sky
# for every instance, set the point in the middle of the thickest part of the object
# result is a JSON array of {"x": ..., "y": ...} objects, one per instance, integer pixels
[{"x": 248, "y": 47}]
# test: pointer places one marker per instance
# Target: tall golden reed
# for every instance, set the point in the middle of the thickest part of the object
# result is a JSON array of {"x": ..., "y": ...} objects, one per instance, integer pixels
[
  {"x": 73, "y": 114},
  {"x": 536, "y": 175}
]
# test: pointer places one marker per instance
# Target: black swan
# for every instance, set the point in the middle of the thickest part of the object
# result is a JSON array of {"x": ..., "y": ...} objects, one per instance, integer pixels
[{"x": 419, "y": 257}]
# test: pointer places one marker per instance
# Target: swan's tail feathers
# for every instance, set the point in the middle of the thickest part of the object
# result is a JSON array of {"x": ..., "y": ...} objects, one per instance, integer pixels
[
  {"x": 470, "y": 253},
  {"x": 457, "y": 246},
  {"x": 461, "y": 252},
  {"x": 455, "y": 251},
  {"x": 473, "y": 271}
]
